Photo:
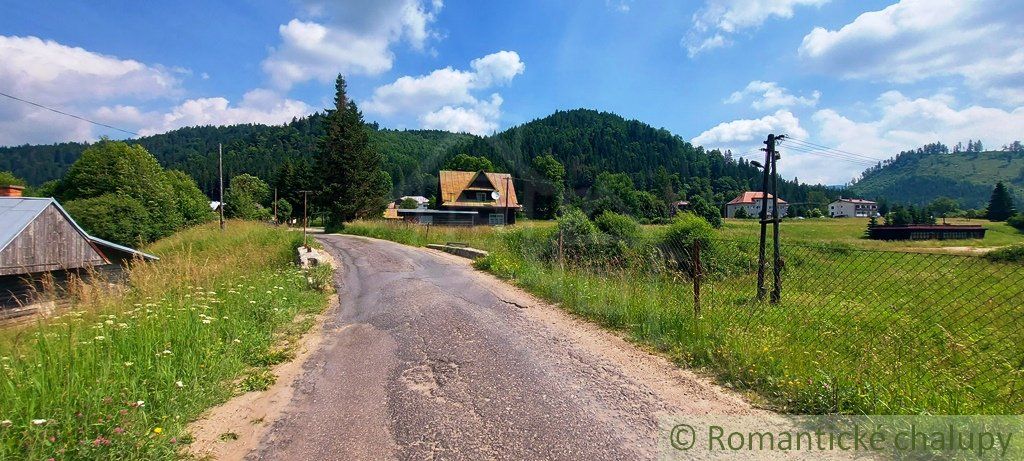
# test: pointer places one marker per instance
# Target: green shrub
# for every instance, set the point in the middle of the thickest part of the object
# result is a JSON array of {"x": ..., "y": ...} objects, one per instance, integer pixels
[
  {"x": 618, "y": 226},
  {"x": 705, "y": 210},
  {"x": 118, "y": 218},
  {"x": 579, "y": 236},
  {"x": 1017, "y": 221},
  {"x": 1009, "y": 254},
  {"x": 9, "y": 179},
  {"x": 716, "y": 256}
]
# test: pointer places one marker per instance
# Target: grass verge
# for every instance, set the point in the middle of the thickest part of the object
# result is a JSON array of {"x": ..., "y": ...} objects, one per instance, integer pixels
[
  {"x": 119, "y": 376},
  {"x": 857, "y": 331}
]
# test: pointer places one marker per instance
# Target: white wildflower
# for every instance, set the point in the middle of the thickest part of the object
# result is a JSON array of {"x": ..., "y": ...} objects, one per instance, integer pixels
[
  {"x": 179, "y": 384},
  {"x": 38, "y": 422}
]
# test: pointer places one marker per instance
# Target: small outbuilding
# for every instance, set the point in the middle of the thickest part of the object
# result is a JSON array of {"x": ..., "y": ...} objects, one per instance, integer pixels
[
  {"x": 38, "y": 238},
  {"x": 926, "y": 232}
]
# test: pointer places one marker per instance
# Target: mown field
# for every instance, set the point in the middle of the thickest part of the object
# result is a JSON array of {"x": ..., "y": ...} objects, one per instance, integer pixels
[
  {"x": 120, "y": 373},
  {"x": 858, "y": 330},
  {"x": 850, "y": 231}
]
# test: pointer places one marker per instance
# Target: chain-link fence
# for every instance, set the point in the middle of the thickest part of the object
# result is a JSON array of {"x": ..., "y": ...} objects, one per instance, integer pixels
[{"x": 854, "y": 330}]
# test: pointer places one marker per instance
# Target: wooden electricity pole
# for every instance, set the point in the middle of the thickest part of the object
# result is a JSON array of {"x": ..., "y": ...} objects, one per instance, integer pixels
[
  {"x": 220, "y": 169},
  {"x": 771, "y": 157},
  {"x": 777, "y": 262},
  {"x": 305, "y": 200},
  {"x": 763, "y": 216}
]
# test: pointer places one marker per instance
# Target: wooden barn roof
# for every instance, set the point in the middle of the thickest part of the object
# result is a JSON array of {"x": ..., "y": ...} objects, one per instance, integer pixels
[
  {"x": 453, "y": 183},
  {"x": 18, "y": 214}
]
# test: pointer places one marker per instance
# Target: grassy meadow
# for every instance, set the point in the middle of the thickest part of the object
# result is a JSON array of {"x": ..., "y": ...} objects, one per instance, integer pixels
[
  {"x": 120, "y": 373},
  {"x": 850, "y": 231},
  {"x": 858, "y": 330}
]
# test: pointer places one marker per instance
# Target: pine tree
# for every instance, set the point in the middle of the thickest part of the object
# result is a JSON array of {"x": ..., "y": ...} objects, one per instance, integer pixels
[
  {"x": 1000, "y": 206},
  {"x": 353, "y": 184}
]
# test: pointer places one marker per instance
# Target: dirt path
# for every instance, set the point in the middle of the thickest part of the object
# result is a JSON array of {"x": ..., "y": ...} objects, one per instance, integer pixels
[{"x": 427, "y": 358}]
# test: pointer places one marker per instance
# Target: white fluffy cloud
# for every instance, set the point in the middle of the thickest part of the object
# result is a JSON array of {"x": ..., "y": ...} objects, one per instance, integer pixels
[
  {"x": 979, "y": 40},
  {"x": 895, "y": 123},
  {"x": 50, "y": 72},
  {"x": 903, "y": 123},
  {"x": 718, "y": 19},
  {"x": 745, "y": 134},
  {"x": 352, "y": 37},
  {"x": 76, "y": 80},
  {"x": 770, "y": 95},
  {"x": 68, "y": 78},
  {"x": 257, "y": 106},
  {"x": 480, "y": 118},
  {"x": 444, "y": 99}
]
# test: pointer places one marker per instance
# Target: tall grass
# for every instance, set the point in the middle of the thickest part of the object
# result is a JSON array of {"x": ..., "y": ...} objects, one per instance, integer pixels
[{"x": 119, "y": 376}]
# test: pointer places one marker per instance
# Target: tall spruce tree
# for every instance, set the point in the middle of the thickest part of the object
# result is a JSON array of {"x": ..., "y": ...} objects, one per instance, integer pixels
[
  {"x": 353, "y": 184},
  {"x": 1000, "y": 206}
]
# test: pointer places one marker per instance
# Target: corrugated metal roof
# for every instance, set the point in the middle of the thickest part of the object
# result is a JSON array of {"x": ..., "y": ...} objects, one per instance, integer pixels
[{"x": 16, "y": 213}]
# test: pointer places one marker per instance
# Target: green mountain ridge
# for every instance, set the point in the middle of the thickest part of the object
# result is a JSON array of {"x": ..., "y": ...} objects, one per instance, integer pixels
[
  {"x": 919, "y": 177},
  {"x": 587, "y": 142}
]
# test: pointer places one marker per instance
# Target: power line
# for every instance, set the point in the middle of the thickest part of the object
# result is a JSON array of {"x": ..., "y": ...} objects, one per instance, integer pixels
[
  {"x": 69, "y": 115},
  {"x": 833, "y": 149}
]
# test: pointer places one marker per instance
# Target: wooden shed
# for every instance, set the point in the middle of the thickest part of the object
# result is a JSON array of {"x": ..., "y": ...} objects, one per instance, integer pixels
[{"x": 38, "y": 237}]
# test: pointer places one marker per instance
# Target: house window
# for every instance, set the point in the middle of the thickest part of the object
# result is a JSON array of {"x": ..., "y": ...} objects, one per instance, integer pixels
[{"x": 496, "y": 219}]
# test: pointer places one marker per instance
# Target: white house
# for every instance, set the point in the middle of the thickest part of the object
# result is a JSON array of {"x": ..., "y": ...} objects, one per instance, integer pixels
[
  {"x": 852, "y": 208},
  {"x": 421, "y": 201},
  {"x": 751, "y": 202}
]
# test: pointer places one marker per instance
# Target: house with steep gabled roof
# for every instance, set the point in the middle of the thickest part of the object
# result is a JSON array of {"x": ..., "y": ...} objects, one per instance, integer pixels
[
  {"x": 39, "y": 238},
  {"x": 471, "y": 198}
]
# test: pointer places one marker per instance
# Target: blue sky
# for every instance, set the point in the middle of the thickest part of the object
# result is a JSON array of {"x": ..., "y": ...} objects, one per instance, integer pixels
[{"x": 868, "y": 77}]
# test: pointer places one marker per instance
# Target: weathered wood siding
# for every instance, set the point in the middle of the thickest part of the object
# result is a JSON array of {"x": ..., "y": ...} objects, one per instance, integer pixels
[{"x": 48, "y": 243}]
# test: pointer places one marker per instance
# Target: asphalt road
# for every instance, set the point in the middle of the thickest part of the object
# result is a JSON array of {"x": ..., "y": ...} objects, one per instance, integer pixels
[{"x": 429, "y": 359}]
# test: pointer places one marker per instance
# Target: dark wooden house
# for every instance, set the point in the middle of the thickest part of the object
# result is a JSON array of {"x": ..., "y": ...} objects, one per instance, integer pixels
[
  {"x": 473, "y": 198},
  {"x": 925, "y": 232},
  {"x": 38, "y": 238}
]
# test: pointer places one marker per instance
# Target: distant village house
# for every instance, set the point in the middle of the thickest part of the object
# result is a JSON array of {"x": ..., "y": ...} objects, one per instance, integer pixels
[
  {"x": 852, "y": 208},
  {"x": 470, "y": 198},
  {"x": 751, "y": 203}
]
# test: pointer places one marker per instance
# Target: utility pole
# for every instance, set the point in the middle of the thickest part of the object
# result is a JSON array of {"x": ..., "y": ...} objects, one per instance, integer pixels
[
  {"x": 777, "y": 263},
  {"x": 507, "y": 178},
  {"x": 305, "y": 200},
  {"x": 763, "y": 216},
  {"x": 771, "y": 157},
  {"x": 220, "y": 169}
]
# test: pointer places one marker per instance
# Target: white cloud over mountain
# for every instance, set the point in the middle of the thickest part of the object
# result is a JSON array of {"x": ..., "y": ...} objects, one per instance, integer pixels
[
  {"x": 444, "y": 99},
  {"x": 981, "y": 41},
  {"x": 746, "y": 134},
  {"x": 78, "y": 81}
]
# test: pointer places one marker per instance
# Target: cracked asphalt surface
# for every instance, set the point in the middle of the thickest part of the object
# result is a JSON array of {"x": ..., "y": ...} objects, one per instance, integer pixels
[{"x": 429, "y": 359}]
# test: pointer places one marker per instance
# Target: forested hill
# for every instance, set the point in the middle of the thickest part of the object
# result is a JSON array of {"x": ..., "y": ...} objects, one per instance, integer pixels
[
  {"x": 917, "y": 177},
  {"x": 586, "y": 142},
  {"x": 255, "y": 149}
]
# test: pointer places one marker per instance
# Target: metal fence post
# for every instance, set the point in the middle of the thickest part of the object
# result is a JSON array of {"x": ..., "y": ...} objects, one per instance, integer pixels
[{"x": 697, "y": 275}]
